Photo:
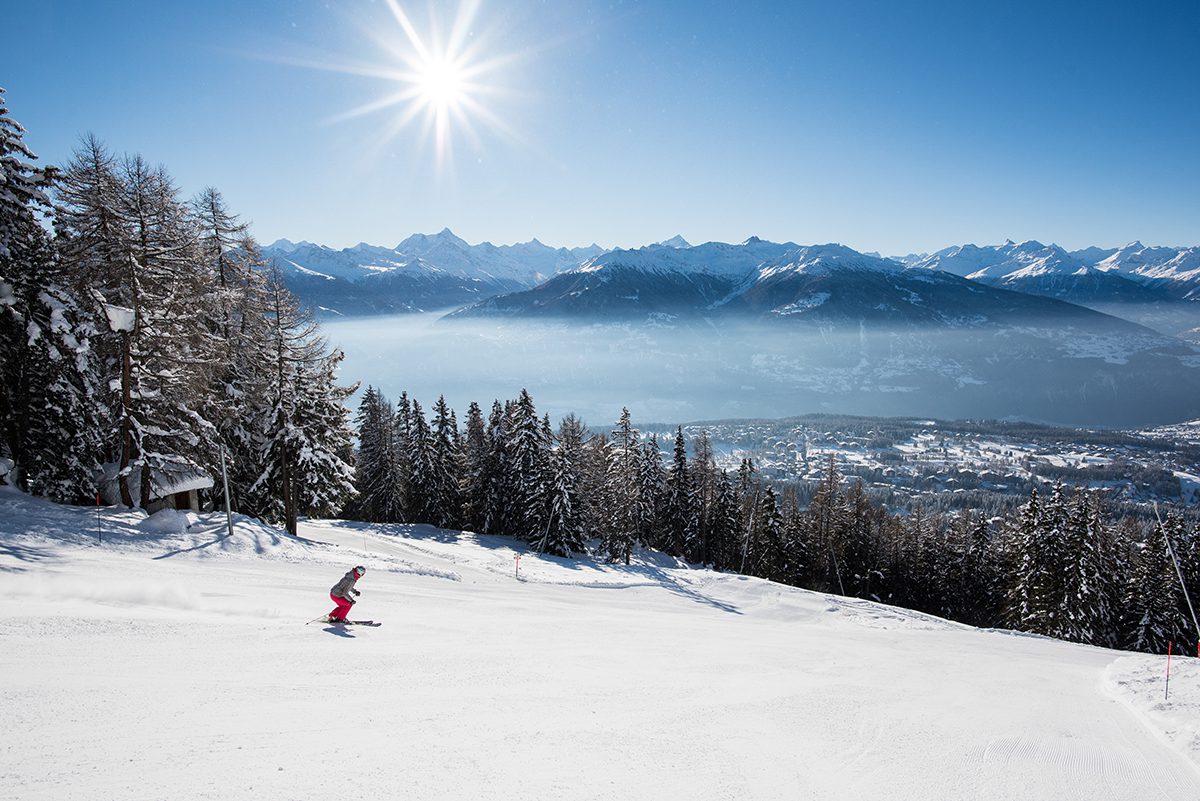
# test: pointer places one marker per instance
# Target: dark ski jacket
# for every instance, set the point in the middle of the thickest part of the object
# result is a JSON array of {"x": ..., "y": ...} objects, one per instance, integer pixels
[{"x": 343, "y": 587}]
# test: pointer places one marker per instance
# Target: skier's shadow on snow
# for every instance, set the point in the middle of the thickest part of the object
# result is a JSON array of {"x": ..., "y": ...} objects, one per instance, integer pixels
[
  {"x": 340, "y": 631},
  {"x": 199, "y": 547},
  {"x": 671, "y": 584}
]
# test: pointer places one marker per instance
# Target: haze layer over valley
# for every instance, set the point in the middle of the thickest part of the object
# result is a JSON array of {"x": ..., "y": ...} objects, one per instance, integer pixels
[{"x": 765, "y": 329}]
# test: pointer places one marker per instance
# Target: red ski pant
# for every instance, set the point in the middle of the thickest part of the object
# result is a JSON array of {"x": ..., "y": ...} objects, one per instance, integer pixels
[{"x": 342, "y": 609}]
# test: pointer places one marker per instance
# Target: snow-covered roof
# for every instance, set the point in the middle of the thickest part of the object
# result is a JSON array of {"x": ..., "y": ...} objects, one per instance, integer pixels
[{"x": 179, "y": 477}]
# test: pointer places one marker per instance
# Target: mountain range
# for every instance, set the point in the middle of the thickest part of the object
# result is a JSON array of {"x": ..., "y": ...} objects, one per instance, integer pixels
[
  {"x": 1096, "y": 337},
  {"x": 425, "y": 271},
  {"x": 1153, "y": 286}
]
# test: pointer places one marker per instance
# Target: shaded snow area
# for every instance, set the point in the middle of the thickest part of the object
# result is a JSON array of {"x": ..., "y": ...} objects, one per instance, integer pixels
[
  {"x": 174, "y": 661},
  {"x": 1140, "y": 682}
]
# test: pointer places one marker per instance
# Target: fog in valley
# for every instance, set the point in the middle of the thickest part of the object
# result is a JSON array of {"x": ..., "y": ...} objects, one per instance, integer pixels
[{"x": 679, "y": 373}]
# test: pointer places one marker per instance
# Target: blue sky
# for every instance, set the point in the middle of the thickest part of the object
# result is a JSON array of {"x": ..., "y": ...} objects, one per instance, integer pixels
[{"x": 890, "y": 126}]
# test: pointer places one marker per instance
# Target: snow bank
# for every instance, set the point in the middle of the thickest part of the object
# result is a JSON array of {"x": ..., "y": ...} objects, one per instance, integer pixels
[
  {"x": 168, "y": 521},
  {"x": 1139, "y": 682}
]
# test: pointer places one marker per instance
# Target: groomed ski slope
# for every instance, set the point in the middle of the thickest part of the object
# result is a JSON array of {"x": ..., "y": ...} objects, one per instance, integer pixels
[{"x": 176, "y": 664}]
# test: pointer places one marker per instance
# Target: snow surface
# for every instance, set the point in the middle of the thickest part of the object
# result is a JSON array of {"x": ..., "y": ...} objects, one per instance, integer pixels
[
  {"x": 1140, "y": 682},
  {"x": 176, "y": 663}
]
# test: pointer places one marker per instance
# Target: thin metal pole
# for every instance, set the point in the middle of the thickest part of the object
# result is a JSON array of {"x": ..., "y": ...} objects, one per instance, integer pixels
[
  {"x": 1167, "y": 688},
  {"x": 225, "y": 486},
  {"x": 749, "y": 528},
  {"x": 836, "y": 570}
]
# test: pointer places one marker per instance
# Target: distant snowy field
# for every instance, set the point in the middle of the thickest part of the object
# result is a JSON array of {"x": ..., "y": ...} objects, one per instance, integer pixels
[{"x": 175, "y": 663}]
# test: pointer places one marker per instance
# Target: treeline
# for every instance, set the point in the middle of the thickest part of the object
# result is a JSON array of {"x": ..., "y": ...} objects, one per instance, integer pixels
[
  {"x": 1060, "y": 565},
  {"x": 141, "y": 333}
]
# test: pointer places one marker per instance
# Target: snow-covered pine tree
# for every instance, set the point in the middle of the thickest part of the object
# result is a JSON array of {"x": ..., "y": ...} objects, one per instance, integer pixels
[
  {"x": 1025, "y": 602},
  {"x": 497, "y": 503},
  {"x": 307, "y": 429},
  {"x": 773, "y": 558},
  {"x": 704, "y": 481},
  {"x": 677, "y": 514},
  {"x": 1053, "y": 558},
  {"x": 1187, "y": 551},
  {"x": 474, "y": 478},
  {"x": 649, "y": 494},
  {"x": 529, "y": 459},
  {"x": 1115, "y": 549},
  {"x": 725, "y": 533},
  {"x": 447, "y": 464},
  {"x": 402, "y": 443},
  {"x": 624, "y": 507},
  {"x": 48, "y": 375},
  {"x": 795, "y": 538},
  {"x": 978, "y": 590},
  {"x": 324, "y": 477},
  {"x": 563, "y": 534},
  {"x": 376, "y": 476},
  {"x": 1083, "y": 612},
  {"x": 422, "y": 486},
  {"x": 1154, "y": 593}
]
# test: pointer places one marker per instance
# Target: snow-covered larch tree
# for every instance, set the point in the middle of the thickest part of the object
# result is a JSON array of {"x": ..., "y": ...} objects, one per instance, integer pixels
[
  {"x": 306, "y": 430},
  {"x": 49, "y": 417}
]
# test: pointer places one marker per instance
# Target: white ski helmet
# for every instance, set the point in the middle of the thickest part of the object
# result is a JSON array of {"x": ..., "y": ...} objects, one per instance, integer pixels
[{"x": 360, "y": 570}]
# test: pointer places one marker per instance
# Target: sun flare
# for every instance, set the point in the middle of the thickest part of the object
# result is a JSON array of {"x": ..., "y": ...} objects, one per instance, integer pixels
[{"x": 440, "y": 78}]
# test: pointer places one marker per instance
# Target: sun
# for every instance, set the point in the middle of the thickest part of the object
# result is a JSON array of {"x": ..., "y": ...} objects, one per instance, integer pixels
[
  {"x": 438, "y": 79},
  {"x": 442, "y": 84}
]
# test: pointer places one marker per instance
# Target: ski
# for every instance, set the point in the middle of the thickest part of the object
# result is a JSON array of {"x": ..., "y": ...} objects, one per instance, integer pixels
[{"x": 357, "y": 623}]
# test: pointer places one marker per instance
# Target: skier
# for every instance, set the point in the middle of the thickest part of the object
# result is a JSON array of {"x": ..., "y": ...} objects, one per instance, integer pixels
[{"x": 342, "y": 592}]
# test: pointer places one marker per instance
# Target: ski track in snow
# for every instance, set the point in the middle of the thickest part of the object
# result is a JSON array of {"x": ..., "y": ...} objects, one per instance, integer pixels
[{"x": 174, "y": 662}]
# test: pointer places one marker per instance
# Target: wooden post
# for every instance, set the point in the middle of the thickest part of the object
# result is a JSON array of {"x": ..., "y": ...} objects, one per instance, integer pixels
[{"x": 517, "y": 573}]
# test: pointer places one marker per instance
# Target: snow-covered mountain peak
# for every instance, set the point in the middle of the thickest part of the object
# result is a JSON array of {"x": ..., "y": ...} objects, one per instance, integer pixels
[
  {"x": 676, "y": 241},
  {"x": 418, "y": 242},
  {"x": 711, "y": 258},
  {"x": 827, "y": 258},
  {"x": 288, "y": 246}
]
